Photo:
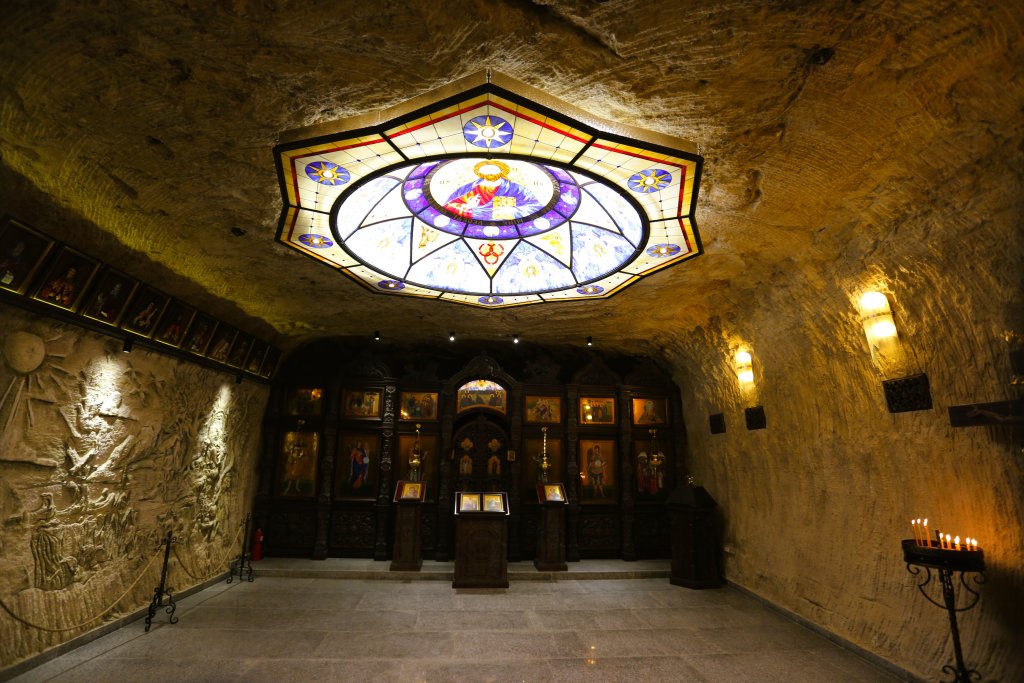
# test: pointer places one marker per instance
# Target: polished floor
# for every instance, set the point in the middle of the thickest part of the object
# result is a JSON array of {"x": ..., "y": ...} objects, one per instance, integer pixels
[{"x": 301, "y": 621}]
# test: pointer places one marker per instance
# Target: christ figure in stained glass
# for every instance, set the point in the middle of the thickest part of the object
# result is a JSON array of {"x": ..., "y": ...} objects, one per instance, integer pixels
[{"x": 492, "y": 196}]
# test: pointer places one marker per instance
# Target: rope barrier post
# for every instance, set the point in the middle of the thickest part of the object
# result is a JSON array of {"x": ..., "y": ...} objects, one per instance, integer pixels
[
  {"x": 163, "y": 590},
  {"x": 243, "y": 563}
]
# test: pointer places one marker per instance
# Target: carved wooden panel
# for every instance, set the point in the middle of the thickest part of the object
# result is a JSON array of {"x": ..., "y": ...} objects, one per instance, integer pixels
[
  {"x": 599, "y": 534},
  {"x": 651, "y": 531},
  {"x": 529, "y": 520},
  {"x": 353, "y": 529},
  {"x": 428, "y": 529},
  {"x": 481, "y": 552},
  {"x": 291, "y": 532}
]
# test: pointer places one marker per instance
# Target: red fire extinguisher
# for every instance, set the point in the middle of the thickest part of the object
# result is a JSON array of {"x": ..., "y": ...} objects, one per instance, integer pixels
[{"x": 257, "y": 545}]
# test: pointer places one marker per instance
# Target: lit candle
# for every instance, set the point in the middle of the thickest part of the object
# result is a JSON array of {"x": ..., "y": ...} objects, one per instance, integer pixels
[
  {"x": 924, "y": 534},
  {"x": 956, "y": 542},
  {"x": 949, "y": 545},
  {"x": 917, "y": 535}
]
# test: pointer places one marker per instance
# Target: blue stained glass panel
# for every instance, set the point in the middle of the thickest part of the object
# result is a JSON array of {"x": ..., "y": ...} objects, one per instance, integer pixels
[
  {"x": 550, "y": 220},
  {"x": 592, "y": 212},
  {"x": 423, "y": 169},
  {"x": 385, "y": 246},
  {"x": 568, "y": 200},
  {"x": 436, "y": 219},
  {"x": 361, "y": 202},
  {"x": 596, "y": 252},
  {"x": 494, "y": 232},
  {"x": 528, "y": 269},
  {"x": 624, "y": 215},
  {"x": 390, "y": 207},
  {"x": 453, "y": 268}
]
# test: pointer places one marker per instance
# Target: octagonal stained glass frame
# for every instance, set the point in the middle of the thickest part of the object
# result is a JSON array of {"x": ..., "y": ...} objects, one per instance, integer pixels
[{"x": 491, "y": 194}]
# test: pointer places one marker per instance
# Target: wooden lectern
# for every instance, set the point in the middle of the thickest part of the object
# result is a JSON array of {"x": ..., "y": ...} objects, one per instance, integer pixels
[
  {"x": 481, "y": 540},
  {"x": 408, "y": 549},
  {"x": 550, "y": 555}
]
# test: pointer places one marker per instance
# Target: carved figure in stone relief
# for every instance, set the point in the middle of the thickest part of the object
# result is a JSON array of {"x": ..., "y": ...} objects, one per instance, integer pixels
[{"x": 53, "y": 570}]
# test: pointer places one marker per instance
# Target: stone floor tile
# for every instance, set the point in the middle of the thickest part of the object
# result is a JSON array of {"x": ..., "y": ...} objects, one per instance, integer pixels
[
  {"x": 622, "y": 670},
  {"x": 397, "y": 645},
  {"x": 308, "y": 669},
  {"x": 479, "y": 672},
  {"x": 283, "y": 629},
  {"x": 180, "y": 670}
]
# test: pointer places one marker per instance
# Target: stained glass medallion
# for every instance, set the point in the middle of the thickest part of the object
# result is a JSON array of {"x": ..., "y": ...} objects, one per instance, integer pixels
[{"x": 494, "y": 196}]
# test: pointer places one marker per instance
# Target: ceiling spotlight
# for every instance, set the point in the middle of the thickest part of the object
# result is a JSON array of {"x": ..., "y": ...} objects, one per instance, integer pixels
[
  {"x": 376, "y": 335},
  {"x": 128, "y": 344},
  {"x": 590, "y": 341},
  {"x": 515, "y": 338},
  {"x": 451, "y": 336}
]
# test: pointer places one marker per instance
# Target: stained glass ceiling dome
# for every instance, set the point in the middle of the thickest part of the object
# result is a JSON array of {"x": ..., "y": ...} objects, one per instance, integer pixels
[{"x": 489, "y": 193}]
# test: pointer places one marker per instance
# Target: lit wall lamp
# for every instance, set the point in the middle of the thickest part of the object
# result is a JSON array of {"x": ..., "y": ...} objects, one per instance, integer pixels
[
  {"x": 880, "y": 329},
  {"x": 754, "y": 415},
  {"x": 744, "y": 368},
  {"x": 903, "y": 392}
]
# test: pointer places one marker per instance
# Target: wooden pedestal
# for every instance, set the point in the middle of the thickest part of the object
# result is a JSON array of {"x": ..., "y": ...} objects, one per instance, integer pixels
[
  {"x": 481, "y": 551},
  {"x": 408, "y": 551},
  {"x": 695, "y": 549},
  {"x": 551, "y": 539}
]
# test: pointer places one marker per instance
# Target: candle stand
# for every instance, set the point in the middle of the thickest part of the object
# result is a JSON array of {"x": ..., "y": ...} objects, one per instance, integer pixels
[
  {"x": 243, "y": 563},
  {"x": 163, "y": 590},
  {"x": 945, "y": 562}
]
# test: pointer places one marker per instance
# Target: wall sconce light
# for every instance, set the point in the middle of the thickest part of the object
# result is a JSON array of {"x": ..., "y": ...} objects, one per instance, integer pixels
[
  {"x": 376, "y": 335},
  {"x": 451, "y": 336},
  {"x": 590, "y": 341},
  {"x": 515, "y": 338},
  {"x": 880, "y": 330},
  {"x": 903, "y": 392},
  {"x": 744, "y": 368},
  {"x": 128, "y": 344}
]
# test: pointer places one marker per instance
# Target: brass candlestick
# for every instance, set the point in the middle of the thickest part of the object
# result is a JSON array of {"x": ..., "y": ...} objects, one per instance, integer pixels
[
  {"x": 414, "y": 458},
  {"x": 657, "y": 458}
]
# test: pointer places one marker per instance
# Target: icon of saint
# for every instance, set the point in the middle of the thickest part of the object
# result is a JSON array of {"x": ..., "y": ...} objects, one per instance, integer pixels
[{"x": 61, "y": 290}]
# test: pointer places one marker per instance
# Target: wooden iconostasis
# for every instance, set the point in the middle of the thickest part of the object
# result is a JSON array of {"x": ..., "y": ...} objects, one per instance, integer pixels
[{"x": 347, "y": 417}]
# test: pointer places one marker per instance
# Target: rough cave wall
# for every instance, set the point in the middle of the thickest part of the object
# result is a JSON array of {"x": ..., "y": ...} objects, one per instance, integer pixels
[
  {"x": 101, "y": 453},
  {"x": 814, "y": 506}
]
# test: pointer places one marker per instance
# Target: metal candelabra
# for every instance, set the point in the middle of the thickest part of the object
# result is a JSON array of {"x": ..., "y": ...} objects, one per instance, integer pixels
[
  {"x": 243, "y": 563},
  {"x": 945, "y": 562},
  {"x": 163, "y": 590}
]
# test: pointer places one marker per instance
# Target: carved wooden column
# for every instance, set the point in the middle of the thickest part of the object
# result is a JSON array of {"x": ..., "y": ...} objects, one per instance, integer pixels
[
  {"x": 515, "y": 552},
  {"x": 327, "y": 459},
  {"x": 626, "y": 473},
  {"x": 383, "y": 504},
  {"x": 443, "y": 546},
  {"x": 572, "y": 483}
]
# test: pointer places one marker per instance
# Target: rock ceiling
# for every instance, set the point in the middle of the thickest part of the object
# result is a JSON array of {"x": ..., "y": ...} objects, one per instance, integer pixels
[{"x": 835, "y": 134}]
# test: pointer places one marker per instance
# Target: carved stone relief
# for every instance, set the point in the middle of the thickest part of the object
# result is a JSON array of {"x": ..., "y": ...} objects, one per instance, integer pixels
[{"x": 101, "y": 453}]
